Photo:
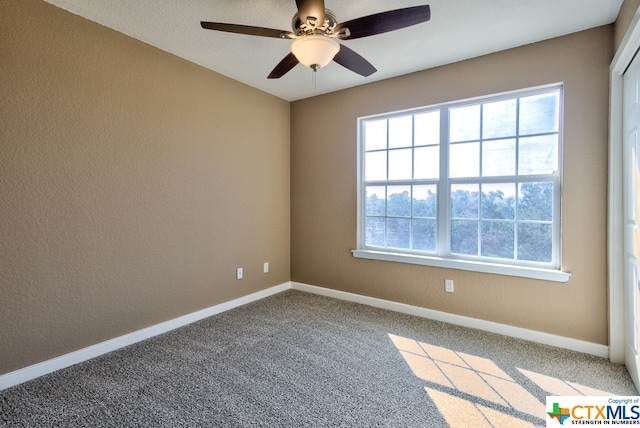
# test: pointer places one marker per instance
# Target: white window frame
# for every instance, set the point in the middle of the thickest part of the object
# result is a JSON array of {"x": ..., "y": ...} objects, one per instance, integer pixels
[{"x": 441, "y": 258}]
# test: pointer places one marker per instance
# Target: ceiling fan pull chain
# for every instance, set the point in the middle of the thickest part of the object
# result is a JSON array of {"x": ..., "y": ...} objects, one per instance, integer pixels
[{"x": 314, "y": 80}]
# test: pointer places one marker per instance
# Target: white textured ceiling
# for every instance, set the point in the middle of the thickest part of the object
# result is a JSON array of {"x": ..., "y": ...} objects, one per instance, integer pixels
[{"x": 458, "y": 30}]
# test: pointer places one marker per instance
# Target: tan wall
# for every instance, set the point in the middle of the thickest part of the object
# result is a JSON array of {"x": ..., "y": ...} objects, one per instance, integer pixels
[
  {"x": 323, "y": 186},
  {"x": 132, "y": 184},
  {"x": 627, "y": 11}
]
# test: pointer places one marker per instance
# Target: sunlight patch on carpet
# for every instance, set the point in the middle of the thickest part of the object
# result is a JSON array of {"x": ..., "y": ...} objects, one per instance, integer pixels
[{"x": 472, "y": 390}]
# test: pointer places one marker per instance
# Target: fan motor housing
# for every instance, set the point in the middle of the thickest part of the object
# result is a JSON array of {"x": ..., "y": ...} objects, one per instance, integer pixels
[{"x": 309, "y": 26}]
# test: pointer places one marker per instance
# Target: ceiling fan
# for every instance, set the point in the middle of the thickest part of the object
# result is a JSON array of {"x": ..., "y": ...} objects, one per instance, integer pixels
[{"x": 315, "y": 30}]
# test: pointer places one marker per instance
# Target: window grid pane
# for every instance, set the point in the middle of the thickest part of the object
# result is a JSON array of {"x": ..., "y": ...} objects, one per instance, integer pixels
[
  {"x": 464, "y": 160},
  {"x": 400, "y": 132},
  {"x": 400, "y": 164}
]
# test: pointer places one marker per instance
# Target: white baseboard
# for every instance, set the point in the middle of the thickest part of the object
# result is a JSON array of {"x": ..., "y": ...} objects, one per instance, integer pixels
[
  {"x": 31, "y": 372},
  {"x": 506, "y": 330}
]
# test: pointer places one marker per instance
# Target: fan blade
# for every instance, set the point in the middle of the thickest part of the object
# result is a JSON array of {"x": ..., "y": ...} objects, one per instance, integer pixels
[
  {"x": 247, "y": 29},
  {"x": 311, "y": 8},
  {"x": 353, "y": 61},
  {"x": 384, "y": 22},
  {"x": 284, "y": 66}
]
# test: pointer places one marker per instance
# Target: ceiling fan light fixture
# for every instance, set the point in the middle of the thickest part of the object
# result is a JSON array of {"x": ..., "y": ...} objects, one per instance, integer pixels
[{"x": 315, "y": 51}]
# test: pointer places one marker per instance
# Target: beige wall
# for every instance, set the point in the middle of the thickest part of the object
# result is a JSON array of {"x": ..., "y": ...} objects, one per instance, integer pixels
[
  {"x": 627, "y": 12},
  {"x": 132, "y": 184},
  {"x": 323, "y": 186}
]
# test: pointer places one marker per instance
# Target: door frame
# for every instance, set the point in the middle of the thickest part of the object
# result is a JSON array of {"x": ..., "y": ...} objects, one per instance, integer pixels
[{"x": 615, "y": 223}]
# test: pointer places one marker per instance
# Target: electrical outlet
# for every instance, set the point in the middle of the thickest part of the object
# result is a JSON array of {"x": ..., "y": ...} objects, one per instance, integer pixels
[
  {"x": 265, "y": 267},
  {"x": 448, "y": 285},
  {"x": 239, "y": 273}
]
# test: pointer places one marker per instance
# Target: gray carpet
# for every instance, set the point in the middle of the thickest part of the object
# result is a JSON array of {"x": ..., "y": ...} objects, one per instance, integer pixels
[{"x": 301, "y": 360}]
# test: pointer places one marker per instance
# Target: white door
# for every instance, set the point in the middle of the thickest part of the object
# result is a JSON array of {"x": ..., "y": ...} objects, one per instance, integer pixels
[{"x": 631, "y": 187}]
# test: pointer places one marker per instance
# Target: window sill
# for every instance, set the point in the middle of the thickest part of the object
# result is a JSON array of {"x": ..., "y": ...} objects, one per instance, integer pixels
[{"x": 494, "y": 268}]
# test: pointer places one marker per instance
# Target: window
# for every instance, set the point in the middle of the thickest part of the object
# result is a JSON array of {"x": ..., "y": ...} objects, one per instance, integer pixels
[{"x": 465, "y": 184}]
